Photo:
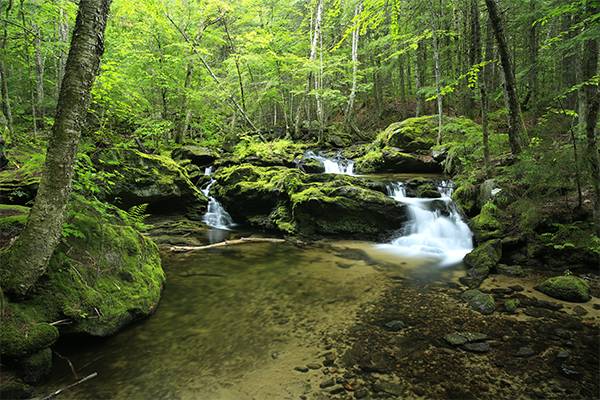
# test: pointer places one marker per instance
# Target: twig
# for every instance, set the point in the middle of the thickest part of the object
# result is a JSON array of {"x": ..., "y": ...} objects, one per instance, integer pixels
[
  {"x": 181, "y": 249},
  {"x": 70, "y": 364},
  {"x": 70, "y": 386}
]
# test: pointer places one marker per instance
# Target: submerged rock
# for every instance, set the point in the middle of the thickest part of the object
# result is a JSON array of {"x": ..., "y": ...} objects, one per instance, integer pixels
[
  {"x": 568, "y": 288},
  {"x": 482, "y": 302}
]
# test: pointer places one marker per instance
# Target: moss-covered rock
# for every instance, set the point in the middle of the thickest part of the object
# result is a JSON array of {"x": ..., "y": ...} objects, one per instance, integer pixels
[
  {"x": 568, "y": 288},
  {"x": 486, "y": 225},
  {"x": 483, "y": 258},
  {"x": 465, "y": 197},
  {"x": 200, "y": 156},
  {"x": 16, "y": 390},
  {"x": 482, "y": 302},
  {"x": 20, "y": 342},
  {"x": 296, "y": 203},
  {"x": 37, "y": 365},
  {"x": 412, "y": 134},
  {"x": 509, "y": 270},
  {"x": 389, "y": 159},
  {"x": 156, "y": 180},
  {"x": 512, "y": 305}
]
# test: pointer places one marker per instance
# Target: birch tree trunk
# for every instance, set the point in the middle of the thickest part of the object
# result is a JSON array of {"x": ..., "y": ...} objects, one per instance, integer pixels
[
  {"x": 436, "y": 57},
  {"x": 62, "y": 34},
  {"x": 38, "y": 63},
  {"x": 349, "y": 114},
  {"x": 516, "y": 127},
  {"x": 27, "y": 258},
  {"x": 417, "y": 84}
]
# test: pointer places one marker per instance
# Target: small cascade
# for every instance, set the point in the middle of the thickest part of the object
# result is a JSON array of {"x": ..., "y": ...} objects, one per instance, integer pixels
[
  {"x": 434, "y": 230},
  {"x": 333, "y": 165},
  {"x": 215, "y": 216}
]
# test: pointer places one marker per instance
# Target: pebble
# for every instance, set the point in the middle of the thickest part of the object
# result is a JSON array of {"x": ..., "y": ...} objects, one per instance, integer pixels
[
  {"x": 480, "y": 347},
  {"x": 301, "y": 369},
  {"x": 525, "y": 351},
  {"x": 361, "y": 393},
  {"x": 327, "y": 383},
  {"x": 313, "y": 366}
]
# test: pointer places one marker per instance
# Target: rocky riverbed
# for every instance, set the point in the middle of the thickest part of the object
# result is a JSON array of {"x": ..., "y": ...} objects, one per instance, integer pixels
[{"x": 422, "y": 341}]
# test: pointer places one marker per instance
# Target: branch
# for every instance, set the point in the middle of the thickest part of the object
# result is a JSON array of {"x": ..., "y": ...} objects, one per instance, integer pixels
[
  {"x": 70, "y": 386},
  {"x": 182, "y": 249}
]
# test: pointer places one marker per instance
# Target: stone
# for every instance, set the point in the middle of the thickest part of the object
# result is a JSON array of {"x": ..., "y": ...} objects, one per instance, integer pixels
[
  {"x": 525, "y": 351},
  {"x": 482, "y": 302},
  {"x": 327, "y": 383},
  {"x": 391, "y": 388},
  {"x": 479, "y": 347},
  {"x": 313, "y": 366},
  {"x": 301, "y": 369},
  {"x": 486, "y": 225},
  {"x": 511, "y": 305},
  {"x": 483, "y": 258},
  {"x": 509, "y": 270},
  {"x": 569, "y": 288},
  {"x": 394, "y": 325},
  {"x": 361, "y": 393},
  {"x": 199, "y": 156}
]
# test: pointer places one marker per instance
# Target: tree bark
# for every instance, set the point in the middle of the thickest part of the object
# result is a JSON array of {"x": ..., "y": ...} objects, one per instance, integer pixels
[
  {"x": 516, "y": 127},
  {"x": 27, "y": 258},
  {"x": 436, "y": 58}
]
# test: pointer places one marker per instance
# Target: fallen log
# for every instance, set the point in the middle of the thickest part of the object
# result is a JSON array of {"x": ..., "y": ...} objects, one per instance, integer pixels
[{"x": 182, "y": 249}]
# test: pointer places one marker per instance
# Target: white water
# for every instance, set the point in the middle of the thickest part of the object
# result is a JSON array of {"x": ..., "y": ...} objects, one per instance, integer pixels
[
  {"x": 434, "y": 231},
  {"x": 215, "y": 216},
  {"x": 333, "y": 165}
]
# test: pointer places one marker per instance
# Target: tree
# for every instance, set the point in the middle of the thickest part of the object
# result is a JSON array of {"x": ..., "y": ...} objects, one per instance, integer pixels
[
  {"x": 516, "y": 127},
  {"x": 27, "y": 258}
]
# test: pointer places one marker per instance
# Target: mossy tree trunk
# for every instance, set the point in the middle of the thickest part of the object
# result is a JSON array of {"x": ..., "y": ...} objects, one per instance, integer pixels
[{"x": 27, "y": 258}]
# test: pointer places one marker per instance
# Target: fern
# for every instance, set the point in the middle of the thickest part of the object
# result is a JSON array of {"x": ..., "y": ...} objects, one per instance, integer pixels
[{"x": 135, "y": 216}]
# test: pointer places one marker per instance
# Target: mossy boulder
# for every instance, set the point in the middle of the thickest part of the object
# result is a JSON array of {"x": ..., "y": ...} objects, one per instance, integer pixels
[
  {"x": 568, "y": 288},
  {"x": 389, "y": 159},
  {"x": 19, "y": 342},
  {"x": 293, "y": 202},
  {"x": 509, "y": 270},
  {"x": 141, "y": 178},
  {"x": 483, "y": 258},
  {"x": 465, "y": 197},
  {"x": 412, "y": 135},
  {"x": 200, "y": 156},
  {"x": 487, "y": 225},
  {"x": 482, "y": 302},
  {"x": 422, "y": 188}
]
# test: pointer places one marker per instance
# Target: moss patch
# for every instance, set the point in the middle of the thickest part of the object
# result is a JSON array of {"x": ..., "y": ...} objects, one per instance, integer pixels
[{"x": 569, "y": 288}]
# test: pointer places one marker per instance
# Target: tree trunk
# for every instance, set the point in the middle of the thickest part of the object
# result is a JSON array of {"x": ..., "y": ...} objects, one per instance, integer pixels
[
  {"x": 5, "y": 100},
  {"x": 62, "y": 33},
  {"x": 349, "y": 114},
  {"x": 592, "y": 95},
  {"x": 38, "y": 63},
  {"x": 436, "y": 58},
  {"x": 516, "y": 127},
  {"x": 27, "y": 258},
  {"x": 417, "y": 83}
]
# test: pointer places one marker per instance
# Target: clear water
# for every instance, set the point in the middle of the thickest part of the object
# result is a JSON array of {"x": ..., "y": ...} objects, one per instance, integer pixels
[
  {"x": 333, "y": 165},
  {"x": 233, "y": 322}
]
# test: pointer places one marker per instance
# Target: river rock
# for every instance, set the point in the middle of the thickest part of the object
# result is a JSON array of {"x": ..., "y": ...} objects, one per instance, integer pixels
[
  {"x": 479, "y": 347},
  {"x": 482, "y": 302},
  {"x": 511, "y": 305},
  {"x": 568, "y": 288},
  {"x": 296, "y": 203},
  {"x": 141, "y": 178},
  {"x": 509, "y": 270},
  {"x": 483, "y": 258}
]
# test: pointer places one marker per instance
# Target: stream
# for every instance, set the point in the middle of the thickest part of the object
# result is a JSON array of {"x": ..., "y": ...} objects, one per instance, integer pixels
[{"x": 236, "y": 322}]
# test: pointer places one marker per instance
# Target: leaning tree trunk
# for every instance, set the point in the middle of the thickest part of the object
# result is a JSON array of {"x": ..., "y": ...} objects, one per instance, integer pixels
[
  {"x": 516, "y": 127},
  {"x": 27, "y": 258}
]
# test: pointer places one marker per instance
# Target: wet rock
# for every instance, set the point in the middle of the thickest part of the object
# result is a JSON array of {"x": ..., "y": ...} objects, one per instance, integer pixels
[
  {"x": 525, "y": 351},
  {"x": 37, "y": 365},
  {"x": 327, "y": 383},
  {"x": 578, "y": 310},
  {"x": 16, "y": 390},
  {"x": 483, "y": 258},
  {"x": 570, "y": 373},
  {"x": 486, "y": 225},
  {"x": 313, "y": 366},
  {"x": 361, "y": 393},
  {"x": 511, "y": 305},
  {"x": 459, "y": 338},
  {"x": 569, "y": 288},
  {"x": 337, "y": 389},
  {"x": 509, "y": 270},
  {"x": 479, "y": 347},
  {"x": 563, "y": 355},
  {"x": 391, "y": 388},
  {"x": 394, "y": 325},
  {"x": 301, "y": 369},
  {"x": 482, "y": 302},
  {"x": 199, "y": 156}
]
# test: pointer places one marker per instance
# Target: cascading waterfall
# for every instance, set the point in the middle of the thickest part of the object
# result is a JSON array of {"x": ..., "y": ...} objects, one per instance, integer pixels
[
  {"x": 434, "y": 231},
  {"x": 216, "y": 216},
  {"x": 333, "y": 165}
]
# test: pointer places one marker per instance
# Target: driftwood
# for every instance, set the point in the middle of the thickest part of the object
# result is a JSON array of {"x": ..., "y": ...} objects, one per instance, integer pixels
[
  {"x": 182, "y": 249},
  {"x": 70, "y": 386}
]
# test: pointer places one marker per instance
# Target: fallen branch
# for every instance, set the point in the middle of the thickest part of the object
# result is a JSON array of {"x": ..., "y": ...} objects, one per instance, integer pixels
[
  {"x": 70, "y": 386},
  {"x": 182, "y": 249}
]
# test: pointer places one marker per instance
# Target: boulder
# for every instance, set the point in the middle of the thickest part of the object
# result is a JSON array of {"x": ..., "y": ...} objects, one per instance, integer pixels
[
  {"x": 141, "y": 178},
  {"x": 568, "y": 288},
  {"x": 19, "y": 186},
  {"x": 483, "y": 258},
  {"x": 391, "y": 159},
  {"x": 486, "y": 225},
  {"x": 465, "y": 197},
  {"x": 293, "y": 202},
  {"x": 412, "y": 135},
  {"x": 482, "y": 302},
  {"x": 199, "y": 156}
]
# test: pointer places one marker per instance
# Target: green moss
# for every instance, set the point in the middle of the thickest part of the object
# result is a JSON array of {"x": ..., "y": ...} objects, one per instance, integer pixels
[
  {"x": 486, "y": 225},
  {"x": 18, "y": 341},
  {"x": 569, "y": 288},
  {"x": 465, "y": 197}
]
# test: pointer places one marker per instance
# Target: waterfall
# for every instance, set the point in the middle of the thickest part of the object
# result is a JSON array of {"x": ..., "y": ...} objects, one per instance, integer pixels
[
  {"x": 216, "y": 216},
  {"x": 333, "y": 165},
  {"x": 434, "y": 229}
]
